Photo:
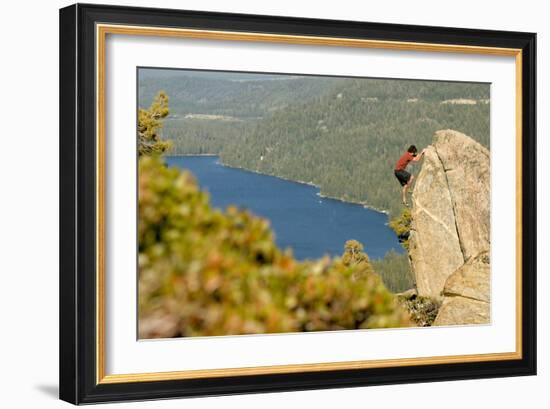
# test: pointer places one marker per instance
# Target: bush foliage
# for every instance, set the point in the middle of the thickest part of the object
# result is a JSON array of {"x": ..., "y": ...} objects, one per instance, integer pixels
[
  {"x": 401, "y": 225},
  {"x": 204, "y": 271},
  {"x": 423, "y": 310}
]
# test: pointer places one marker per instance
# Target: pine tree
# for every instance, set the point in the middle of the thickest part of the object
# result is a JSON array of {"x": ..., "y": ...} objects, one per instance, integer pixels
[{"x": 150, "y": 124}]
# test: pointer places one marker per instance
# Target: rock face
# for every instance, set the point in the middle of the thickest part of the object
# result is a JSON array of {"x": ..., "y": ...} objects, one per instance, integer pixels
[
  {"x": 467, "y": 169},
  {"x": 434, "y": 246},
  {"x": 467, "y": 294},
  {"x": 450, "y": 230}
]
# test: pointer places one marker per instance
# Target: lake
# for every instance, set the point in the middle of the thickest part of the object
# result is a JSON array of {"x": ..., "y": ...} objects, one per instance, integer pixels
[{"x": 302, "y": 220}]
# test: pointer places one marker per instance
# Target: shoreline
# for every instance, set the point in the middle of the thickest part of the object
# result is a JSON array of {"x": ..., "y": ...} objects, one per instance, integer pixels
[
  {"x": 321, "y": 195},
  {"x": 302, "y": 182},
  {"x": 364, "y": 204}
]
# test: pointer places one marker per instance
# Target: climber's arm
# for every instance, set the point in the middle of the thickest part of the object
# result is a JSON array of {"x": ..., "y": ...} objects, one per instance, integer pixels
[{"x": 418, "y": 157}]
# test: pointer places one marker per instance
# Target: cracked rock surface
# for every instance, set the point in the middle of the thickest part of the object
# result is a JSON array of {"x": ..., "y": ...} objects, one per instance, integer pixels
[
  {"x": 467, "y": 294},
  {"x": 451, "y": 224}
]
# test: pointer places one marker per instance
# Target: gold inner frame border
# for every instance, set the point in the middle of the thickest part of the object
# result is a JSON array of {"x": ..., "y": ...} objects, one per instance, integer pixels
[{"x": 102, "y": 30}]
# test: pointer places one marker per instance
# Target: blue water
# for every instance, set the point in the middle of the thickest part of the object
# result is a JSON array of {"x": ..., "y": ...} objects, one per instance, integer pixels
[{"x": 312, "y": 226}]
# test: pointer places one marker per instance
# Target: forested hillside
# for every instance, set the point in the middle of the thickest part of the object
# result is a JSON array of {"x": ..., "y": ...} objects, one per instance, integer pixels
[
  {"x": 203, "y": 136},
  {"x": 341, "y": 134},
  {"x": 348, "y": 141},
  {"x": 218, "y": 94}
]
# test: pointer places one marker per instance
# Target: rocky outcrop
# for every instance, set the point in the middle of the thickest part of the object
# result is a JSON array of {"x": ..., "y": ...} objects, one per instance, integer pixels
[
  {"x": 467, "y": 170},
  {"x": 434, "y": 246},
  {"x": 450, "y": 230},
  {"x": 467, "y": 294}
]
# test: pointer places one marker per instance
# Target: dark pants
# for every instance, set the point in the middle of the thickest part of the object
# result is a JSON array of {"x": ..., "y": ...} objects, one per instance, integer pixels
[{"x": 402, "y": 176}]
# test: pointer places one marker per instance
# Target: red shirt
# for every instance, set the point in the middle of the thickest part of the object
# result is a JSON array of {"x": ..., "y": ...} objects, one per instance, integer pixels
[{"x": 404, "y": 161}]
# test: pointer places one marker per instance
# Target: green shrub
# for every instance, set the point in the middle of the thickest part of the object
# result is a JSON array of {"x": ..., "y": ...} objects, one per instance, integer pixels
[
  {"x": 401, "y": 225},
  {"x": 207, "y": 272},
  {"x": 422, "y": 310}
]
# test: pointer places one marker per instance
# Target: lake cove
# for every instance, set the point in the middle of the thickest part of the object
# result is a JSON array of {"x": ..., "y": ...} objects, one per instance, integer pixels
[{"x": 310, "y": 225}]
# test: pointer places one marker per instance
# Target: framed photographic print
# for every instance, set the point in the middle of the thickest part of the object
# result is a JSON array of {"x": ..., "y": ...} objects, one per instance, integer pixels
[{"x": 258, "y": 203}]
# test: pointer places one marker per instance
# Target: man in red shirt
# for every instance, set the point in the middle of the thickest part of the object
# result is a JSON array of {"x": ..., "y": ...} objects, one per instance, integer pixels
[{"x": 404, "y": 177}]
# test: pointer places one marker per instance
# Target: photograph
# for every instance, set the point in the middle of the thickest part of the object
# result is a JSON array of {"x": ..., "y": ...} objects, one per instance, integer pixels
[
  {"x": 288, "y": 203},
  {"x": 259, "y": 203},
  {"x": 255, "y": 205}
]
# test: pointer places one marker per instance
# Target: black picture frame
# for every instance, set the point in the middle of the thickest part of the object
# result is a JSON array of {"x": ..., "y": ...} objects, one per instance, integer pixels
[{"x": 78, "y": 236}]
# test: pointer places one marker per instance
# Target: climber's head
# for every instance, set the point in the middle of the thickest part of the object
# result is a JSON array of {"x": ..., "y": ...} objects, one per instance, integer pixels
[{"x": 412, "y": 149}]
